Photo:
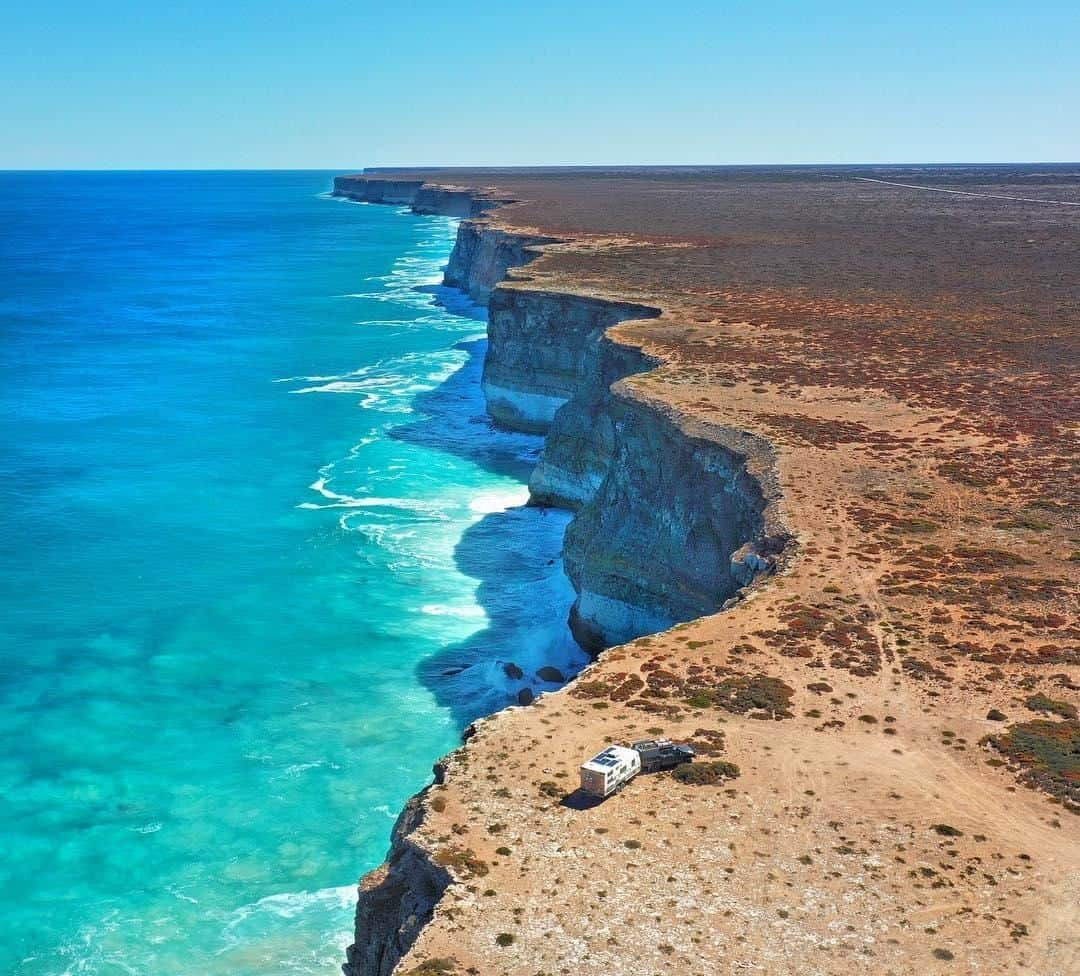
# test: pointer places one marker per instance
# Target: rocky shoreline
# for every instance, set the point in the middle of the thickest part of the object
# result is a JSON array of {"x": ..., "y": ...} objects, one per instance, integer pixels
[{"x": 674, "y": 518}]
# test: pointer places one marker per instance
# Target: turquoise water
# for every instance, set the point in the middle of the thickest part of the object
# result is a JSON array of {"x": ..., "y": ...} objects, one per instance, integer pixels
[{"x": 262, "y": 558}]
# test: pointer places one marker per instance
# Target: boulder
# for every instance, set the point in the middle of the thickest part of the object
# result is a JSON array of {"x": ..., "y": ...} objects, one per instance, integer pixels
[
  {"x": 525, "y": 696},
  {"x": 513, "y": 671},
  {"x": 548, "y": 673},
  {"x": 747, "y": 564}
]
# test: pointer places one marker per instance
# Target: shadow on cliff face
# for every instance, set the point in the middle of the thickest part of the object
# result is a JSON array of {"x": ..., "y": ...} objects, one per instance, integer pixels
[{"x": 513, "y": 553}]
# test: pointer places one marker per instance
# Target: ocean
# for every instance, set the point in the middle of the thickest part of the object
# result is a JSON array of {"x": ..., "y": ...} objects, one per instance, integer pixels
[{"x": 263, "y": 558}]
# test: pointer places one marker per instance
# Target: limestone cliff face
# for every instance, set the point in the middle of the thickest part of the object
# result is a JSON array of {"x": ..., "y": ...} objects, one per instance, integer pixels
[
  {"x": 582, "y": 437},
  {"x": 365, "y": 190},
  {"x": 678, "y": 524},
  {"x": 671, "y": 523},
  {"x": 422, "y": 197},
  {"x": 544, "y": 349},
  {"x": 673, "y": 519},
  {"x": 482, "y": 256},
  {"x": 448, "y": 202},
  {"x": 396, "y": 900}
]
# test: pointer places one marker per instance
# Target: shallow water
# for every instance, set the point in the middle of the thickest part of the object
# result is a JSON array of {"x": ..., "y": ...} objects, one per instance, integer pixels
[{"x": 262, "y": 559}]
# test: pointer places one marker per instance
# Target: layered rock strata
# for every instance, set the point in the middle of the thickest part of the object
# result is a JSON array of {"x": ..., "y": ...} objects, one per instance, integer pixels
[
  {"x": 544, "y": 348},
  {"x": 680, "y": 522},
  {"x": 581, "y": 439}
]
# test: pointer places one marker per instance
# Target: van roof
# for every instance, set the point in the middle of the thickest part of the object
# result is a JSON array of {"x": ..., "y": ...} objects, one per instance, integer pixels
[{"x": 609, "y": 758}]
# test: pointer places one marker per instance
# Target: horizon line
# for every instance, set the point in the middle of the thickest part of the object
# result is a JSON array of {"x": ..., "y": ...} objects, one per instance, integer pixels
[{"x": 527, "y": 166}]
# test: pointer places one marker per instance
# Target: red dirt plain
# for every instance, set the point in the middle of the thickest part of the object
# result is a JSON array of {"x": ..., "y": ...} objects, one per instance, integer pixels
[{"x": 910, "y": 802}]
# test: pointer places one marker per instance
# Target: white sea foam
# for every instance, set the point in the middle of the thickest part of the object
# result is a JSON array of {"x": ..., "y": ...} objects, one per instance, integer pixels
[
  {"x": 412, "y": 272},
  {"x": 289, "y": 904},
  {"x": 389, "y": 386},
  {"x": 499, "y": 501},
  {"x": 429, "y": 509},
  {"x": 302, "y": 931},
  {"x": 337, "y": 386},
  {"x": 466, "y": 611},
  {"x": 305, "y": 379}
]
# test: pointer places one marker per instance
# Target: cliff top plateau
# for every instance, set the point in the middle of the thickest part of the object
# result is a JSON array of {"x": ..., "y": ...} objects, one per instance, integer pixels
[{"x": 887, "y": 356}]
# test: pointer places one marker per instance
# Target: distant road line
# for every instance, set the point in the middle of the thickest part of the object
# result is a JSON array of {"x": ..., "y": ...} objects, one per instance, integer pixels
[{"x": 968, "y": 193}]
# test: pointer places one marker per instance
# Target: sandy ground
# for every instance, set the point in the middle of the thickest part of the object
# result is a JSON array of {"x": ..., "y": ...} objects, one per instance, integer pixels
[{"x": 913, "y": 357}]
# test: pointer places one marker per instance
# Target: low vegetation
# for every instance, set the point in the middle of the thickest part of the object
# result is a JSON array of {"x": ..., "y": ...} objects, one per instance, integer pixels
[
  {"x": 706, "y": 773},
  {"x": 440, "y": 966},
  {"x": 1050, "y": 706},
  {"x": 1047, "y": 756}
]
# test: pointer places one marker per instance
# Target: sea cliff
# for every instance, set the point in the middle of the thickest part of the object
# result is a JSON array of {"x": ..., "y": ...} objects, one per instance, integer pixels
[
  {"x": 674, "y": 518},
  {"x": 886, "y": 731},
  {"x": 421, "y": 197}
]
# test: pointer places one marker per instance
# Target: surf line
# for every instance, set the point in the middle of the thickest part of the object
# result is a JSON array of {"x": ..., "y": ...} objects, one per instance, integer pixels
[{"x": 968, "y": 193}]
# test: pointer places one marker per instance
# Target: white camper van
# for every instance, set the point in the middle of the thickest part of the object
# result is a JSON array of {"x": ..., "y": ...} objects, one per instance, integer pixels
[{"x": 612, "y": 769}]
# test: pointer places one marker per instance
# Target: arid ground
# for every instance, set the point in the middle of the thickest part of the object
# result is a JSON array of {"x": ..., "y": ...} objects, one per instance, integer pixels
[{"x": 898, "y": 704}]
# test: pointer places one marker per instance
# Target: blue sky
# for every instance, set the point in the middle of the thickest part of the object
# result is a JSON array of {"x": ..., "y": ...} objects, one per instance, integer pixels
[{"x": 219, "y": 83}]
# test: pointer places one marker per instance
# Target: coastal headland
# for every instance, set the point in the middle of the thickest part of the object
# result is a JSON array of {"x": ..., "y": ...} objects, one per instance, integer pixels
[{"x": 818, "y": 427}]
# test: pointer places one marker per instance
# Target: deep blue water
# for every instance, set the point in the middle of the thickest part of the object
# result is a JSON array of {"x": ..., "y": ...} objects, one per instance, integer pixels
[{"x": 254, "y": 524}]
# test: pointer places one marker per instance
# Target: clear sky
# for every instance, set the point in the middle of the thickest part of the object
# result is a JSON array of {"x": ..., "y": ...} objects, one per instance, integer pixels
[{"x": 221, "y": 83}]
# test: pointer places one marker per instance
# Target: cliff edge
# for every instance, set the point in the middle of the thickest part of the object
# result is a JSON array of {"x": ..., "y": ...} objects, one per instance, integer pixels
[{"x": 723, "y": 361}]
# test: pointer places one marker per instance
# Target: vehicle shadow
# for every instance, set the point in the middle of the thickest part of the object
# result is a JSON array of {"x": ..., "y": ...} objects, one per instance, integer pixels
[{"x": 579, "y": 800}]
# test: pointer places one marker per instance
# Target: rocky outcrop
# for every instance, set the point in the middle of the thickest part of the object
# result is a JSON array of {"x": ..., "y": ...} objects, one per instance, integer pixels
[
  {"x": 671, "y": 524},
  {"x": 396, "y": 900},
  {"x": 449, "y": 202},
  {"x": 365, "y": 189}
]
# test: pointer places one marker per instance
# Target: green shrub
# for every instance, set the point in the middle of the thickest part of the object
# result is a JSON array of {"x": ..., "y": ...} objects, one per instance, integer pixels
[
  {"x": 745, "y": 693},
  {"x": 1050, "y": 706},
  {"x": 462, "y": 860},
  {"x": 1047, "y": 754},
  {"x": 705, "y": 773},
  {"x": 1024, "y": 522},
  {"x": 434, "y": 967}
]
